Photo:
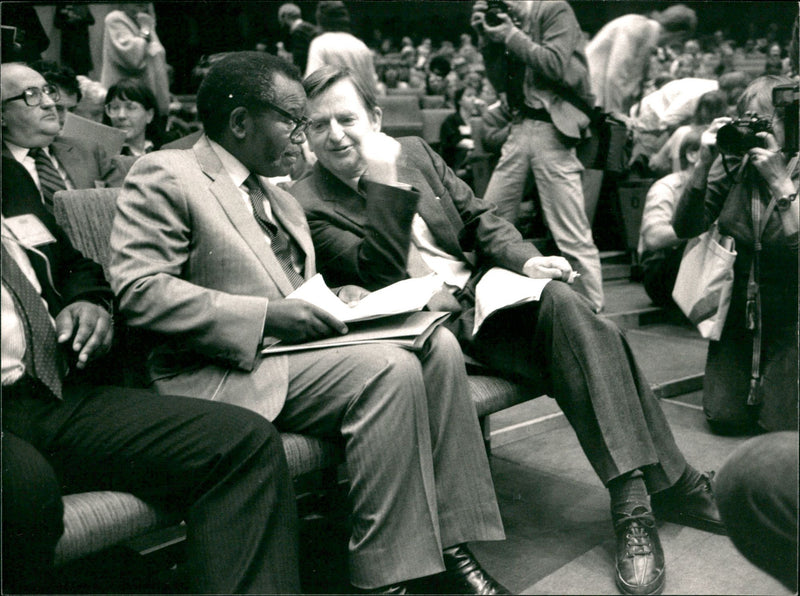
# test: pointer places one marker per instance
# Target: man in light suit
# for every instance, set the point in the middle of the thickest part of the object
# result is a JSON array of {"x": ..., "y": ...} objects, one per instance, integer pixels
[
  {"x": 381, "y": 210},
  {"x": 205, "y": 251},
  {"x": 74, "y": 163},
  {"x": 63, "y": 430}
]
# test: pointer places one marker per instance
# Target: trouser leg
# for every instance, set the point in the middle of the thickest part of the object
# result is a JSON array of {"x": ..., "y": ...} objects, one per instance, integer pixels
[
  {"x": 558, "y": 177},
  {"x": 374, "y": 397},
  {"x": 221, "y": 466},
  {"x": 32, "y": 516},
  {"x": 756, "y": 490},
  {"x": 464, "y": 490},
  {"x": 585, "y": 363},
  {"x": 506, "y": 187}
]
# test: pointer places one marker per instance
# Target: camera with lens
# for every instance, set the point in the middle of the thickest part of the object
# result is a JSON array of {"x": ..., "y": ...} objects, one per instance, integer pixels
[
  {"x": 496, "y": 7},
  {"x": 786, "y": 100},
  {"x": 739, "y": 136}
]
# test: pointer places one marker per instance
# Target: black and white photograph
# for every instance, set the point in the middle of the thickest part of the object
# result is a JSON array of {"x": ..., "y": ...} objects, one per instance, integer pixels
[{"x": 400, "y": 297}]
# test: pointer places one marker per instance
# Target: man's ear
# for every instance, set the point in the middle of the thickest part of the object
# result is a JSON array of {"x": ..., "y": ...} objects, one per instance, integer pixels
[
  {"x": 238, "y": 122},
  {"x": 377, "y": 119}
]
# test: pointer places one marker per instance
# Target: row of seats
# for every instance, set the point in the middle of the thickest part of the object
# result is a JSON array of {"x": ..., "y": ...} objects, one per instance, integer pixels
[{"x": 95, "y": 521}]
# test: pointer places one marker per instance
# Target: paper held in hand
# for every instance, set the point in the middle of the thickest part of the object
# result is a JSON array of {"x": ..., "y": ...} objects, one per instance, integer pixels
[
  {"x": 500, "y": 288},
  {"x": 408, "y": 295},
  {"x": 390, "y": 315}
]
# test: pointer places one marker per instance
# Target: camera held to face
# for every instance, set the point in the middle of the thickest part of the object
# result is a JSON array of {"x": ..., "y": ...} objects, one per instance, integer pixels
[
  {"x": 738, "y": 137},
  {"x": 496, "y": 7}
]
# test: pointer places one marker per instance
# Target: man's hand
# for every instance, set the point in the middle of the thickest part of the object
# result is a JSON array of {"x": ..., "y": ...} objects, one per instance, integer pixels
[
  {"x": 548, "y": 268},
  {"x": 708, "y": 141},
  {"x": 89, "y": 326},
  {"x": 296, "y": 321},
  {"x": 380, "y": 152},
  {"x": 771, "y": 164},
  {"x": 477, "y": 20},
  {"x": 499, "y": 33},
  {"x": 351, "y": 295}
]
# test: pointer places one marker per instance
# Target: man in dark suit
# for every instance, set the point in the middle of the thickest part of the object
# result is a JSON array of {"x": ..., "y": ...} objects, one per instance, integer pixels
[
  {"x": 382, "y": 210},
  {"x": 31, "y": 151},
  {"x": 205, "y": 252},
  {"x": 221, "y": 467}
]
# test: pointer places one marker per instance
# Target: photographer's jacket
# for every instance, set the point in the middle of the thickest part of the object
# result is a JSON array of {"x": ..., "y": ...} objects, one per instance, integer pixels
[{"x": 550, "y": 45}]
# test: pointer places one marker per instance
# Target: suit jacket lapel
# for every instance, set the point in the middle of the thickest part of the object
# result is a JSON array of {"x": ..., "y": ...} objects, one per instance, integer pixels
[
  {"x": 230, "y": 199},
  {"x": 286, "y": 209},
  {"x": 347, "y": 203}
]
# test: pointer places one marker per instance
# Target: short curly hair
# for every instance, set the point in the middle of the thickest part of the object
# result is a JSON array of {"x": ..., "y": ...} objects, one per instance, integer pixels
[{"x": 239, "y": 79}]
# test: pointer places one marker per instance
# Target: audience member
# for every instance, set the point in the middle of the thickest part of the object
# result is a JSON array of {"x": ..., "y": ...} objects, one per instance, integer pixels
[
  {"x": 31, "y": 152},
  {"x": 415, "y": 217},
  {"x": 132, "y": 49},
  {"x": 337, "y": 46},
  {"x": 93, "y": 96},
  {"x": 657, "y": 116},
  {"x": 221, "y": 467},
  {"x": 543, "y": 135},
  {"x": 69, "y": 92},
  {"x": 757, "y": 492},
  {"x": 710, "y": 106},
  {"x": 619, "y": 54},
  {"x": 660, "y": 250},
  {"x": 130, "y": 106},
  {"x": 751, "y": 376},
  {"x": 300, "y": 33},
  {"x": 456, "y": 143},
  {"x": 74, "y": 21},
  {"x": 192, "y": 262}
]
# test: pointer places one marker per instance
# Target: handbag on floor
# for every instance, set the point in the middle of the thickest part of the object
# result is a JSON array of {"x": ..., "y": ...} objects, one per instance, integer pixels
[{"x": 705, "y": 280}]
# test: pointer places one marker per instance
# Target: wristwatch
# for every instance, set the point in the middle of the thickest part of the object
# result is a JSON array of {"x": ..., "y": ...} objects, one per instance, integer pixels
[{"x": 783, "y": 202}]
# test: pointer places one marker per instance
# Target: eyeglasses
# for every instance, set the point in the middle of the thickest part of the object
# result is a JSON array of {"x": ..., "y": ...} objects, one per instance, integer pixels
[
  {"x": 33, "y": 95},
  {"x": 301, "y": 124},
  {"x": 112, "y": 109}
]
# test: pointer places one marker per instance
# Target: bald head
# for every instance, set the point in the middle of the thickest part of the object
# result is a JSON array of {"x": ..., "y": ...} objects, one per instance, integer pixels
[{"x": 24, "y": 125}]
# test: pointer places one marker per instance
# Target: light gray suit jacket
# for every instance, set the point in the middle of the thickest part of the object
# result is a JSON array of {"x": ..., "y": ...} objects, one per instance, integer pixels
[{"x": 190, "y": 262}]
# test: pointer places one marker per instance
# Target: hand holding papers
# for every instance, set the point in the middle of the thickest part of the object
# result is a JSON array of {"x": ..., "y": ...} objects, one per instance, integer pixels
[
  {"x": 389, "y": 315},
  {"x": 404, "y": 296},
  {"x": 501, "y": 288}
]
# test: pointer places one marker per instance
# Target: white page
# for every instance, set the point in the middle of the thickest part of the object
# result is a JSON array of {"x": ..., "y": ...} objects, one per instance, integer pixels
[
  {"x": 500, "y": 288},
  {"x": 403, "y": 296}
]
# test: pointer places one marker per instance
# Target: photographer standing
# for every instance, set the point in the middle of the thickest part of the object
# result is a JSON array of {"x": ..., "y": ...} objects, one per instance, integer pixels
[
  {"x": 747, "y": 170},
  {"x": 533, "y": 53}
]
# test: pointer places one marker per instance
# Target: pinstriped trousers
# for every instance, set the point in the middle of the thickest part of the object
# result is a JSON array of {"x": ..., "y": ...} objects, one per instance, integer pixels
[{"x": 418, "y": 471}]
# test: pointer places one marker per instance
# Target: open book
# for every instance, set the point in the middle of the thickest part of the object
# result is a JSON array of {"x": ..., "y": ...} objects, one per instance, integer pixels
[
  {"x": 390, "y": 315},
  {"x": 500, "y": 288}
]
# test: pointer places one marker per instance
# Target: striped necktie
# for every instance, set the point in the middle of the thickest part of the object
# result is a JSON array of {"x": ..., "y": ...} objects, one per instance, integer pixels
[
  {"x": 43, "y": 358},
  {"x": 49, "y": 178},
  {"x": 281, "y": 246}
]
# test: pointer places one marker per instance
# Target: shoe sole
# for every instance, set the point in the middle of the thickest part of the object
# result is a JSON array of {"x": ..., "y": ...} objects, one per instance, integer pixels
[
  {"x": 655, "y": 587},
  {"x": 691, "y": 522}
]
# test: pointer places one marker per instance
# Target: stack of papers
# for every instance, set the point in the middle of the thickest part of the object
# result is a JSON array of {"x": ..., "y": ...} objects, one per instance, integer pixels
[
  {"x": 391, "y": 315},
  {"x": 500, "y": 288}
]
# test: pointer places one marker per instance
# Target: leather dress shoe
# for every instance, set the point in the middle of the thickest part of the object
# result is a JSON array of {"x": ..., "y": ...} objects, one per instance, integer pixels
[
  {"x": 400, "y": 588},
  {"x": 462, "y": 575},
  {"x": 640, "y": 558},
  {"x": 696, "y": 508}
]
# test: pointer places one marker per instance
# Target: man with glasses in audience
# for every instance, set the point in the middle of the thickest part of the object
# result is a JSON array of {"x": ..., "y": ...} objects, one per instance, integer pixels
[
  {"x": 205, "y": 252},
  {"x": 31, "y": 150}
]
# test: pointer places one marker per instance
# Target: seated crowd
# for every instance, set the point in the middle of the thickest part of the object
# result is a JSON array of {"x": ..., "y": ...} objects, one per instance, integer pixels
[{"x": 286, "y": 172}]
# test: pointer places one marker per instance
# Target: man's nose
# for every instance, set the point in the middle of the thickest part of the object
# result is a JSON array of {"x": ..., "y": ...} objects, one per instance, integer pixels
[
  {"x": 336, "y": 130},
  {"x": 47, "y": 102}
]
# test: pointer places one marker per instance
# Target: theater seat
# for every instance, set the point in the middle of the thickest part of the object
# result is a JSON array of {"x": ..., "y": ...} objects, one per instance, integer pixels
[{"x": 402, "y": 116}]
